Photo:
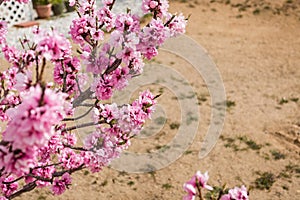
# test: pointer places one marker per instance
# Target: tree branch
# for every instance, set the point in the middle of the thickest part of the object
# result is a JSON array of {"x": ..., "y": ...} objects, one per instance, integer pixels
[
  {"x": 83, "y": 125},
  {"x": 26, "y": 188},
  {"x": 79, "y": 117},
  {"x": 82, "y": 97}
]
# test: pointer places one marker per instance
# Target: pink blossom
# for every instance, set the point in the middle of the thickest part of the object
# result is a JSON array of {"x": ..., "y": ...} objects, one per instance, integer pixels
[
  {"x": 55, "y": 144},
  {"x": 107, "y": 2},
  {"x": 44, "y": 172},
  {"x": 23, "y": 81},
  {"x": 147, "y": 102},
  {"x": 116, "y": 38},
  {"x": 72, "y": 2},
  {"x": 127, "y": 22},
  {"x": 108, "y": 112},
  {"x": 159, "y": 7},
  {"x": 106, "y": 17},
  {"x": 191, "y": 190},
  {"x": 33, "y": 119},
  {"x": 91, "y": 140},
  {"x": 28, "y": 58},
  {"x": 60, "y": 185},
  {"x": 198, "y": 180},
  {"x": 9, "y": 76},
  {"x": 153, "y": 4},
  {"x": 225, "y": 197},
  {"x": 65, "y": 73},
  {"x": 69, "y": 138},
  {"x": 239, "y": 193},
  {"x": 8, "y": 189},
  {"x": 102, "y": 88},
  {"x": 236, "y": 194},
  {"x": 97, "y": 64},
  {"x": 11, "y": 54},
  {"x": 103, "y": 149},
  {"x": 152, "y": 37},
  {"x": 119, "y": 78},
  {"x": 177, "y": 26},
  {"x": 97, "y": 34},
  {"x": 17, "y": 162},
  {"x": 79, "y": 30},
  {"x": 137, "y": 63},
  {"x": 53, "y": 46},
  {"x": 11, "y": 100},
  {"x": 69, "y": 158},
  {"x": 87, "y": 7},
  {"x": 202, "y": 180}
]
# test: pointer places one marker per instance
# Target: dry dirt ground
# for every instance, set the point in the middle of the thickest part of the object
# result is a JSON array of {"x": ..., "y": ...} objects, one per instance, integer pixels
[{"x": 256, "y": 46}]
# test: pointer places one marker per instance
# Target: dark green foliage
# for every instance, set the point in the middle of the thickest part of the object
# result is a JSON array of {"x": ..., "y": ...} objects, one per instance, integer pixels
[{"x": 265, "y": 181}]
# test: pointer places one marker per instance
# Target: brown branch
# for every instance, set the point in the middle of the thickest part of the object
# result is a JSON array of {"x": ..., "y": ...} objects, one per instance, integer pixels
[
  {"x": 79, "y": 117},
  {"x": 75, "y": 148},
  {"x": 113, "y": 66},
  {"x": 37, "y": 69},
  {"x": 32, "y": 185},
  {"x": 170, "y": 20},
  {"x": 26, "y": 188},
  {"x": 70, "y": 171},
  {"x": 111, "y": 5},
  {"x": 42, "y": 70},
  {"x": 82, "y": 97},
  {"x": 83, "y": 125},
  {"x": 54, "y": 164},
  {"x": 10, "y": 182}
]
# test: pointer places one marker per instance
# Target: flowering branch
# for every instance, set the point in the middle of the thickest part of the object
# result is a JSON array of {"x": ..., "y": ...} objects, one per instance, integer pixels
[{"x": 37, "y": 147}]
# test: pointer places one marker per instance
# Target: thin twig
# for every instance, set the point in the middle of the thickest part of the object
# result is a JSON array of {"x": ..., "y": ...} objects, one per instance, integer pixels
[
  {"x": 82, "y": 97},
  {"x": 79, "y": 117},
  {"x": 75, "y": 148},
  {"x": 50, "y": 165},
  {"x": 42, "y": 70},
  {"x": 37, "y": 69},
  {"x": 83, "y": 125},
  {"x": 10, "y": 182}
]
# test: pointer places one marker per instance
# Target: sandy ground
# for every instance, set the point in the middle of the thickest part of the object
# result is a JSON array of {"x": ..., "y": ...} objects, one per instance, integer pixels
[{"x": 257, "y": 51}]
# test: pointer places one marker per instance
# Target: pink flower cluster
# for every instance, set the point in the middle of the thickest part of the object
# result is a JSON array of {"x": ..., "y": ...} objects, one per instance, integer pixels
[
  {"x": 8, "y": 189},
  {"x": 52, "y": 45},
  {"x": 60, "y": 185},
  {"x": 115, "y": 61},
  {"x": 30, "y": 127},
  {"x": 236, "y": 194},
  {"x": 158, "y": 7},
  {"x": 198, "y": 181},
  {"x": 66, "y": 74},
  {"x": 127, "y": 118},
  {"x": 103, "y": 148},
  {"x": 125, "y": 122}
]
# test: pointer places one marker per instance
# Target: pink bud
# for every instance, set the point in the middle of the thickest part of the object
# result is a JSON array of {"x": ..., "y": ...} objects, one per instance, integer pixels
[{"x": 153, "y": 4}]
